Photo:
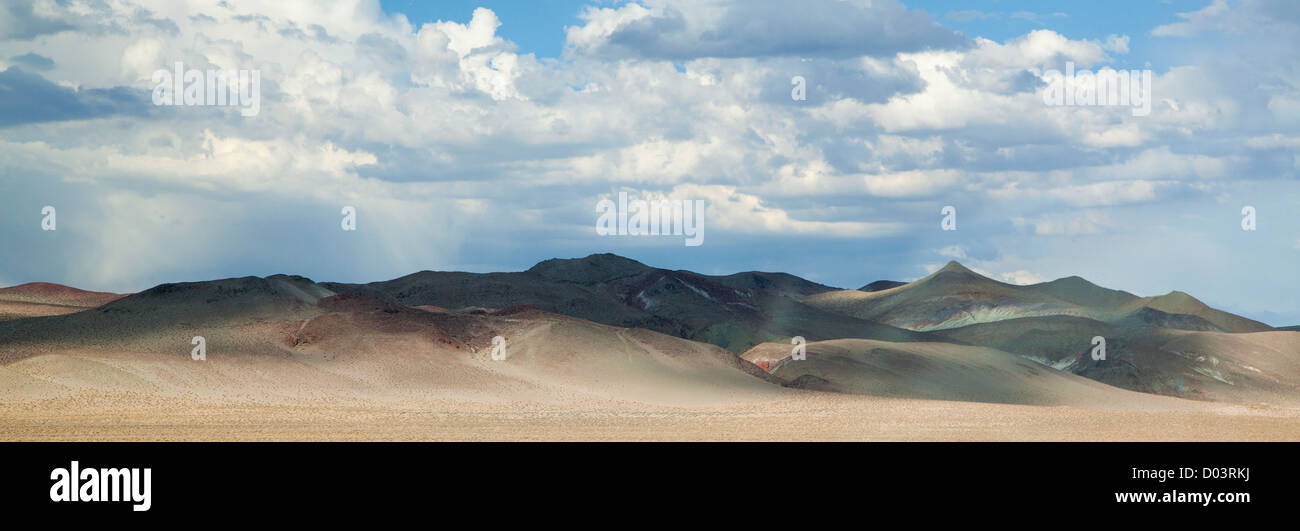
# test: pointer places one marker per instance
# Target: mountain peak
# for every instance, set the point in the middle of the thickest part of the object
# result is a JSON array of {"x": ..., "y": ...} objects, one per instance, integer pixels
[
  {"x": 952, "y": 272},
  {"x": 956, "y": 267},
  {"x": 593, "y": 268},
  {"x": 1180, "y": 297}
]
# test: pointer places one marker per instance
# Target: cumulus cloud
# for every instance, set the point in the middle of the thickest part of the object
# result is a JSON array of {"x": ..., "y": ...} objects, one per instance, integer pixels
[
  {"x": 1093, "y": 194},
  {"x": 680, "y": 29},
  {"x": 460, "y": 149},
  {"x": 745, "y": 213},
  {"x": 1020, "y": 277},
  {"x": 1042, "y": 48}
]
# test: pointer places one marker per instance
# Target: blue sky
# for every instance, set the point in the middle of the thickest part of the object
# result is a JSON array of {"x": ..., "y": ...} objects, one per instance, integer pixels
[
  {"x": 537, "y": 26},
  {"x": 479, "y": 136}
]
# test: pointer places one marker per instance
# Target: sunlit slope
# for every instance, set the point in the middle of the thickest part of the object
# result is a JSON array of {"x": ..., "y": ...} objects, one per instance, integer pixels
[
  {"x": 940, "y": 371},
  {"x": 38, "y": 299},
  {"x": 955, "y": 296},
  {"x": 1206, "y": 365}
]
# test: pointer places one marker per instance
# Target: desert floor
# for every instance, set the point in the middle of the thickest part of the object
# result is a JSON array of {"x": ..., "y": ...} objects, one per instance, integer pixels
[
  {"x": 813, "y": 416},
  {"x": 564, "y": 380}
]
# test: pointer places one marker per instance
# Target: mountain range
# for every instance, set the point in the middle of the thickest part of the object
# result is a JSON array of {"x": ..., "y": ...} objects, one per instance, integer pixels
[
  {"x": 611, "y": 327},
  {"x": 735, "y": 312}
]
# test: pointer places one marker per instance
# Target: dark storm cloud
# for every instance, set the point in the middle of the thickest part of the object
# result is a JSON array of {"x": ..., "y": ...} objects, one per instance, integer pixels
[
  {"x": 18, "y": 21},
  {"x": 27, "y": 98}
]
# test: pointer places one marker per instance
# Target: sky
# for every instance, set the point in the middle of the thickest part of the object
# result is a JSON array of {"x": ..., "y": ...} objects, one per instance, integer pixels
[{"x": 481, "y": 136}]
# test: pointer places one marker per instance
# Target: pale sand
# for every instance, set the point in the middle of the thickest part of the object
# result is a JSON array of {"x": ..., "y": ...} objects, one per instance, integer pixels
[{"x": 815, "y": 417}]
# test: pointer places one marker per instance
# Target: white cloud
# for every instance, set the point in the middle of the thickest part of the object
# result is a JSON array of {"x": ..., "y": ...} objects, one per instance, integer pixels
[
  {"x": 743, "y": 213},
  {"x": 689, "y": 29},
  {"x": 1273, "y": 18},
  {"x": 1043, "y": 49},
  {"x": 1068, "y": 223},
  {"x": 448, "y": 125},
  {"x": 1116, "y": 44},
  {"x": 1274, "y": 141},
  {"x": 911, "y": 183},
  {"x": 1020, "y": 277},
  {"x": 1213, "y": 16},
  {"x": 1094, "y": 194},
  {"x": 953, "y": 251}
]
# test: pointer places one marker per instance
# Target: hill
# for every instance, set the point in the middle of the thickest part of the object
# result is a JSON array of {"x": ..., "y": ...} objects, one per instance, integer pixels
[
  {"x": 956, "y": 296},
  {"x": 938, "y": 371},
  {"x": 734, "y": 311},
  {"x": 43, "y": 298},
  {"x": 284, "y": 339}
]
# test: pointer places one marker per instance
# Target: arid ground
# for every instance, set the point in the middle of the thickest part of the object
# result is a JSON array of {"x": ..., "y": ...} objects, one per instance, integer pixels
[{"x": 812, "y": 417}]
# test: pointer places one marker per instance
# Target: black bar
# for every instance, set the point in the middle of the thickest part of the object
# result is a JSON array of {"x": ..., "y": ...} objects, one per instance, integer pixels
[{"x": 1075, "y": 480}]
